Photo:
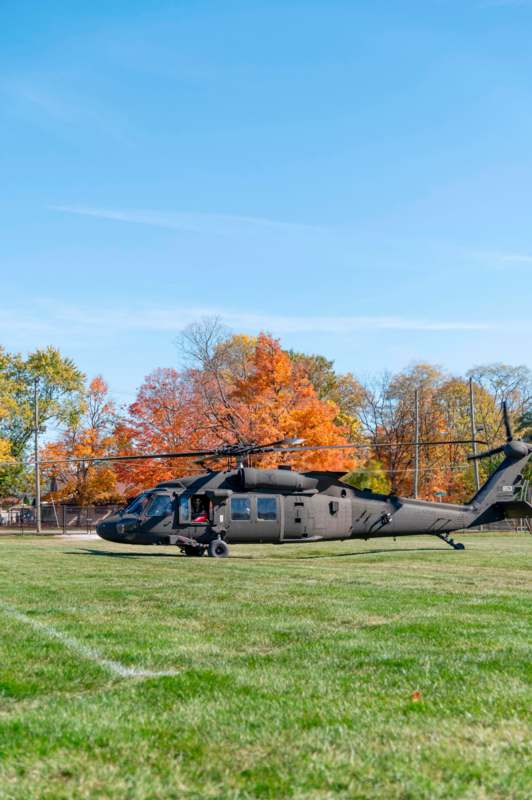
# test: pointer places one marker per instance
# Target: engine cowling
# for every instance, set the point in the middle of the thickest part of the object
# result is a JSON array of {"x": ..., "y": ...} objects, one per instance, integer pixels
[{"x": 261, "y": 480}]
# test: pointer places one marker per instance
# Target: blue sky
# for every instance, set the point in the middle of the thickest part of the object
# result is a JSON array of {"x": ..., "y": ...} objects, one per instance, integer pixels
[{"x": 355, "y": 177}]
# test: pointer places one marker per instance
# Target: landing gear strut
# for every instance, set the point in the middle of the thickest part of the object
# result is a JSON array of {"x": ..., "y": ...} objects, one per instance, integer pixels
[
  {"x": 447, "y": 539},
  {"x": 191, "y": 551},
  {"x": 216, "y": 548}
]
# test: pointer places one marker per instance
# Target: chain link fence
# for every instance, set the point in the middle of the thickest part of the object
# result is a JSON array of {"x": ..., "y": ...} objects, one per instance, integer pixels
[{"x": 56, "y": 518}]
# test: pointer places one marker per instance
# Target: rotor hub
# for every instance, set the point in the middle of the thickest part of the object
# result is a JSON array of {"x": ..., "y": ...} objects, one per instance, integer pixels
[{"x": 516, "y": 450}]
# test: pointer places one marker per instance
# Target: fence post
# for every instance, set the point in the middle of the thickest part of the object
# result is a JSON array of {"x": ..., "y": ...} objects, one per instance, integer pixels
[{"x": 64, "y": 519}]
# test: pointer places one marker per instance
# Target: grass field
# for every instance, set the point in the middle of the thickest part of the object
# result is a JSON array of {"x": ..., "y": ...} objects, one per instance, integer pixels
[{"x": 292, "y": 670}]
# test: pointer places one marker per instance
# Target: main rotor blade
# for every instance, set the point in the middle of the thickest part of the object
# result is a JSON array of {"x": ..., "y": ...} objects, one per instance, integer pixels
[
  {"x": 90, "y": 459},
  {"x": 358, "y": 446},
  {"x": 486, "y": 454},
  {"x": 221, "y": 452},
  {"x": 235, "y": 451},
  {"x": 507, "y": 424}
]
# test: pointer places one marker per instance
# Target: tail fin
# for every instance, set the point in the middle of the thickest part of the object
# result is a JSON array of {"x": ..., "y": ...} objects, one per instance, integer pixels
[{"x": 506, "y": 494}]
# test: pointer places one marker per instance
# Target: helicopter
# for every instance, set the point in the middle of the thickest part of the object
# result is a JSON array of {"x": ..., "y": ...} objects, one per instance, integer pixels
[{"x": 206, "y": 513}]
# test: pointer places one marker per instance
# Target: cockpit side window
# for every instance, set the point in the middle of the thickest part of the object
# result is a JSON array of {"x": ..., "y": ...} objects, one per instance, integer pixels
[
  {"x": 160, "y": 506},
  {"x": 137, "y": 505},
  {"x": 184, "y": 508}
]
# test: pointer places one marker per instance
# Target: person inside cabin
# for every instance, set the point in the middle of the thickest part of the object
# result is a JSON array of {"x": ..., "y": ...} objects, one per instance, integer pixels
[{"x": 200, "y": 509}]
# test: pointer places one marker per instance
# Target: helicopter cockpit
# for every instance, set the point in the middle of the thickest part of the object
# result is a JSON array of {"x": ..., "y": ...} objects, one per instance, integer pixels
[
  {"x": 149, "y": 504},
  {"x": 159, "y": 505},
  {"x": 151, "y": 509},
  {"x": 137, "y": 505}
]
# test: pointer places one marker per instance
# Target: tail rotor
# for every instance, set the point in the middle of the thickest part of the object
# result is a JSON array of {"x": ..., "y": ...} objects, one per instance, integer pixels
[
  {"x": 506, "y": 419},
  {"x": 512, "y": 448}
]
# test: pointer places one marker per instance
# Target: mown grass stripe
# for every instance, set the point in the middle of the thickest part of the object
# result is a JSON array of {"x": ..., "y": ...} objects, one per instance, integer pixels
[{"x": 83, "y": 650}]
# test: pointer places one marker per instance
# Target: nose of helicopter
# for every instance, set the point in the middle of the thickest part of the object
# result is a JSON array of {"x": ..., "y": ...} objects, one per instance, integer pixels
[
  {"x": 116, "y": 528},
  {"x": 122, "y": 529},
  {"x": 107, "y": 529}
]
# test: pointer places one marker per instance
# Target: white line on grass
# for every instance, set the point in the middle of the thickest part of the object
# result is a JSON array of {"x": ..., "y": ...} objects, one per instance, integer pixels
[{"x": 82, "y": 649}]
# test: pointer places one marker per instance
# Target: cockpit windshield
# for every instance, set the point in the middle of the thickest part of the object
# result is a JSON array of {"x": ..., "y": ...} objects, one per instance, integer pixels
[{"x": 137, "y": 505}]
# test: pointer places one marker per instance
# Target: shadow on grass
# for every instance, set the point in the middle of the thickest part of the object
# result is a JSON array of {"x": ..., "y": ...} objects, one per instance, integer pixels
[
  {"x": 358, "y": 553},
  {"x": 111, "y": 554}
]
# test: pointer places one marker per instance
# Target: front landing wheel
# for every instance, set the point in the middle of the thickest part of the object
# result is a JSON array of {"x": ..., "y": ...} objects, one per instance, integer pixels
[{"x": 218, "y": 549}]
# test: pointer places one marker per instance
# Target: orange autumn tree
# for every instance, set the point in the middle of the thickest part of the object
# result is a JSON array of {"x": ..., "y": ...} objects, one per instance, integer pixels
[
  {"x": 236, "y": 389},
  {"x": 88, "y": 434},
  {"x": 167, "y": 416},
  {"x": 276, "y": 400}
]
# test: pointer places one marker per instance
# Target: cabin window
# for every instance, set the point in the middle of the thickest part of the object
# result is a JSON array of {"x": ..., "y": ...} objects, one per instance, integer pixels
[
  {"x": 266, "y": 508},
  {"x": 240, "y": 508},
  {"x": 333, "y": 507},
  {"x": 160, "y": 506}
]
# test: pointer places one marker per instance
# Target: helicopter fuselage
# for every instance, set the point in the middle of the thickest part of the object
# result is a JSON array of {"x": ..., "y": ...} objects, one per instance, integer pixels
[{"x": 275, "y": 506}]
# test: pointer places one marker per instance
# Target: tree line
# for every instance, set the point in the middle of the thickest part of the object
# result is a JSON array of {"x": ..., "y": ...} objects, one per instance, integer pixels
[{"x": 237, "y": 388}]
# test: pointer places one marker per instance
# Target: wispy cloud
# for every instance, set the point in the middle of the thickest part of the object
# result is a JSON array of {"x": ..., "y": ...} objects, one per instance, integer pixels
[
  {"x": 495, "y": 3},
  {"x": 338, "y": 324},
  {"x": 502, "y": 259},
  {"x": 52, "y": 101},
  {"x": 78, "y": 321},
  {"x": 216, "y": 224},
  {"x": 515, "y": 258},
  {"x": 41, "y": 99}
]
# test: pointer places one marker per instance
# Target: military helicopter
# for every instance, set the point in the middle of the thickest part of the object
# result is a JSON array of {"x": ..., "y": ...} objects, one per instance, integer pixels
[{"x": 243, "y": 505}]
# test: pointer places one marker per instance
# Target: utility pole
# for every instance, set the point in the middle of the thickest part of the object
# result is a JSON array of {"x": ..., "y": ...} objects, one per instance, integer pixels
[
  {"x": 416, "y": 454},
  {"x": 37, "y": 465},
  {"x": 473, "y": 430}
]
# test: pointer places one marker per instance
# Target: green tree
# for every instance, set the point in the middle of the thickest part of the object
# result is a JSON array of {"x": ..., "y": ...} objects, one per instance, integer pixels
[
  {"x": 525, "y": 425},
  {"x": 320, "y": 372},
  {"x": 342, "y": 389},
  {"x": 371, "y": 476},
  {"x": 59, "y": 390},
  {"x": 508, "y": 383}
]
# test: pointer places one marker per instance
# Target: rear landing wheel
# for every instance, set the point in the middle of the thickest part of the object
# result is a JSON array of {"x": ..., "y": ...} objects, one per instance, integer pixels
[{"x": 218, "y": 549}]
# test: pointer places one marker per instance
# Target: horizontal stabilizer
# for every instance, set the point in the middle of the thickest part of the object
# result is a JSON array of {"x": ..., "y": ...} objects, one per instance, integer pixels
[
  {"x": 512, "y": 509},
  {"x": 516, "y": 509}
]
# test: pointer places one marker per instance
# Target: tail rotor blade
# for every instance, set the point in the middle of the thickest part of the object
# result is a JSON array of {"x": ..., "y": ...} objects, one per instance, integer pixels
[
  {"x": 486, "y": 454},
  {"x": 507, "y": 425}
]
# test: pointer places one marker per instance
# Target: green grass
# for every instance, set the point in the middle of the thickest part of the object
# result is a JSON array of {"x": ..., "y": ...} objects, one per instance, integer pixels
[{"x": 295, "y": 671}]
